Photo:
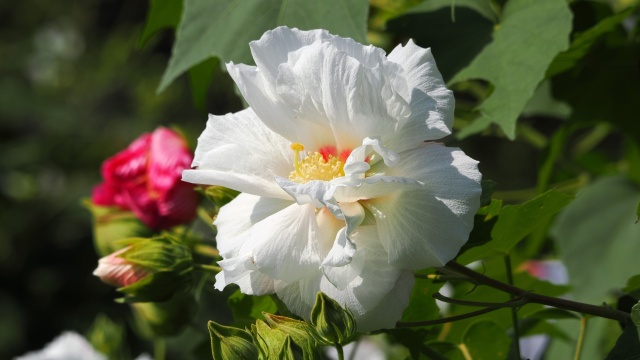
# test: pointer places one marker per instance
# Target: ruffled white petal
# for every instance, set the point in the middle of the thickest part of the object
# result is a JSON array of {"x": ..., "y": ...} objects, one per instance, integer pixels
[
  {"x": 432, "y": 104},
  {"x": 427, "y": 226},
  {"x": 234, "y": 220},
  {"x": 285, "y": 246},
  {"x": 239, "y": 152},
  {"x": 390, "y": 309},
  {"x": 252, "y": 283},
  {"x": 363, "y": 294}
]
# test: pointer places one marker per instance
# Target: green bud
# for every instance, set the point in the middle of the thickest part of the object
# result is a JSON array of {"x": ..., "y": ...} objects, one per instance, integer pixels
[
  {"x": 333, "y": 323},
  {"x": 290, "y": 350},
  {"x": 231, "y": 343},
  {"x": 148, "y": 269},
  {"x": 111, "y": 224}
]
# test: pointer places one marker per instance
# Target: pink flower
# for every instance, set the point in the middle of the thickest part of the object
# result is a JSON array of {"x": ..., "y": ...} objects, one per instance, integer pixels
[
  {"x": 118, "y": 272},
  {"x": 145, "y": 178}
]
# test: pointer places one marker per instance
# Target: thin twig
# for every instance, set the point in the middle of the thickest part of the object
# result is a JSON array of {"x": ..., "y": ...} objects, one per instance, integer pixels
[
  {"x": 600, "y": 311},
  {"x": 514, "y": 311},
  {"x": 515, "y": 303}
]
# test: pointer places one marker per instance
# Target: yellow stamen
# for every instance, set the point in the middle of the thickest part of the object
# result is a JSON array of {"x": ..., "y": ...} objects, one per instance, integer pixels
[
  {"x": 314, "y": 166},
  {"x": 296, "y": 147}
]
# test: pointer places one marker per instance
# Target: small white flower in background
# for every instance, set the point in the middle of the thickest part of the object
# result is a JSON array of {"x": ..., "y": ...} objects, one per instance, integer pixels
[
  {"x": 344, "y": 190},
  {"x": 68, "y": 346}
]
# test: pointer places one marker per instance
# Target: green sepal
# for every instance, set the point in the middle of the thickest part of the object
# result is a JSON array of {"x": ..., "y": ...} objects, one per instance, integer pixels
[
  {"x": 290, "y": 350},
  {"x": 231, "y": 343},
  {"x": 109, "y": 338},
  {"x": 302, "y": 333},
  {"x": 219, "y": 195},
  {"x": 269, "y": 341},
  {"x": 111, "y": 224},
  {"x": 170, "y": 267},
  {"x": 333, "y": 323}
]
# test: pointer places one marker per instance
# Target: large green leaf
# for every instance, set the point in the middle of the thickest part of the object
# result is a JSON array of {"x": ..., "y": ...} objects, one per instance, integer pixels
[
  {"x": 597, "y": 232},
  {"x": 531, "y": 34},
  {"x": 247, "y": 309},
  {"x": 598, "y": 241},
  {"x": 628, "y": 346},
  {"x": 224, "y": 28},
  {"x": 515, "y": 222}
]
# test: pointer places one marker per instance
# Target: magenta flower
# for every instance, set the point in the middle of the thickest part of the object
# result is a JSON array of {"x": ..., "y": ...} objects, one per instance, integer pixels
[{"x": 145, "y": 178}]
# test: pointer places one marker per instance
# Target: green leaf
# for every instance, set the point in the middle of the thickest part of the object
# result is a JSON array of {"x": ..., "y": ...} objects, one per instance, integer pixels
[
  {"x": 633, "y": 285},
  {"x": 531, "y": 34},
  {"x": 445, "y": 351},
  {"x": 482, "y": 7},
  {"x": 247, "y": 308},
  {"x": 422, "y": 305},
  {"x": 200, "y": 77},
  {"x": 597, "y": 232},
  {"x": 486, "y": 340},
  {"x": 224, "y": 28},
  {"x": 628, "y": 346},
  {"x": 583, "y": 42},
  {"x": 515, "y": 222},
  {"x": 488, "y": 186},
  {"x": 483, "y": 224},
  {"x": 162, "y": 14},
  {"x": 454, "y": 43}
]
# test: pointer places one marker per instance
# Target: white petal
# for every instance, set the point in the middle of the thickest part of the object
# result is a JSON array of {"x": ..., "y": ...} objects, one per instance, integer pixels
[
  {"x": 67, "y": 346},
  {"x": 316, "y": 192},
  {"x": 342, "y": 251},
  {"x": 390, "y": 309},
  {"x": 239, "y": 152},
  {"x": 427, "y": 226},
  {"x": 432, "y": 104},
  {"x": 363, "y": 294},
  {"x": 342, "y": 274},
  {"x": 255, "y": 283},
  {"x": 285, "y": 245},
  {"x": 235, "y": 219},
  {"x": 233, "y": 269},
  {"x": 276, "y": 114}
]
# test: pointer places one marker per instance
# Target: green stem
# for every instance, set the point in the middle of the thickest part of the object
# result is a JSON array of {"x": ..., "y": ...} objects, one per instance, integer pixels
[
  {"x": 514, "y": 311},
  {"x": 340, "y": 351},
  {"x": 517, "y": 302},
  {"x": 206, "y": 250},
  {"x": 159, "y": 349},
  {"x": 207, "y": 268},
  {"x": 583, "y": 308},
  {"x": 447, "y": 319},
  {"x": 583, "y": 329}
]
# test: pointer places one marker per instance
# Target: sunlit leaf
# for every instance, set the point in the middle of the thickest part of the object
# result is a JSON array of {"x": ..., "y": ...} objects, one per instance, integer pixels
[
  {"x": 486, "y": 340},
  {"x": 515, "y": 222},
  {"x": 530, "y": 35},
  {"x": 246, "y": 308},
  {"x": 224, "y": 28}
]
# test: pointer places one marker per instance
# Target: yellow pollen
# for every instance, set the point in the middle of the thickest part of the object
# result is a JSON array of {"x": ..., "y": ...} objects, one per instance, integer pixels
[{"x": 314, "y": 166}]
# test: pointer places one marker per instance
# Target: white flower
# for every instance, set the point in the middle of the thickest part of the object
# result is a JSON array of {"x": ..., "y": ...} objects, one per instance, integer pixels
[
  {"x": 68, "y": 346},
  {"x": 341, "y": 193}
]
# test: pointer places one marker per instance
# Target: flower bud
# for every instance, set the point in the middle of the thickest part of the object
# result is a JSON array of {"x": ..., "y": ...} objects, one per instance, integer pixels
[
  {"x": 231, "y": 343},
  {"x": 290, "y": 350},
  {"x": 145, "y": 178},
  {"x": 148, "y": 269},
  {"x": 333, "y": 323}
]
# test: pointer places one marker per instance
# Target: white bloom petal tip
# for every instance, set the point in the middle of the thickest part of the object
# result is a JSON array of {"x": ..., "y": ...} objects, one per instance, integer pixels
[{"x": 340, "y": 193}]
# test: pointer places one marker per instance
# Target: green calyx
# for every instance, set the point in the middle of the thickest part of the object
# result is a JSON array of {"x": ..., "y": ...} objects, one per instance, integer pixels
[
  {"x": 169, "y": 263},
  {"x": 334, "y": 324}
]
